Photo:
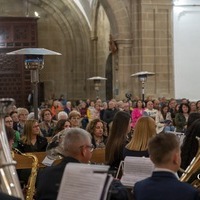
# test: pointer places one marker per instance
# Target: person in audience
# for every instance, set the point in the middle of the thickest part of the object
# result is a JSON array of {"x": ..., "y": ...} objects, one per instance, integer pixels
[
  {"x": 137, "y": 112},
  {"x": 104, "y": 107},
  {"x": 144, "y": 131},
  {"x": 77, "y": 149},
  {"x": 47, "y": 125},
  {"x": 22, "y": 116},
  {"x": 9, "y": 124},
  {"x": 83, "y": 112},
  {"x": 14, "y": 116},
  {"x": 164, "y": 151},
  {"x": 163, "y": 120},
  {"x": 62, "y": 115},
  {"x": 181, "y": 117},
  {"x": 193, "y": 107},
  {"x": 198, "y": 105},
  {"x": 110, "y": 112},
  {"x": 117, "y": 139},
  {"x": 150, "y": 111},
  {"x": 68, "y": 107},
  {"x": 172, "y": 104},
  {"x": 97, "y": 129},
  {"x": 61, "y": 125},
  {"x": 55, "y": 109},
  {"x": 31, "y": 139},
  {"x": 74, "y": 118},
  {"x": 190, "y": 144}
]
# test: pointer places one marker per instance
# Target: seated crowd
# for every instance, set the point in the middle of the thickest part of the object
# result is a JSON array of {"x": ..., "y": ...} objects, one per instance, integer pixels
[{"x": 123, "y": 128}]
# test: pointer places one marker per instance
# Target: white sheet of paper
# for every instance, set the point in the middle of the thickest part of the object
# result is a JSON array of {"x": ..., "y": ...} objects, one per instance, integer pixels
[
  {"x": 136, "y": 169},
  {"x": 80, "y": 182}
]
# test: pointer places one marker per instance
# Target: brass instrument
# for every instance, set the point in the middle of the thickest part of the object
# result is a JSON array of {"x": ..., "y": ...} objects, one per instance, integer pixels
[
  {"x": 192, "y": 173},
  {"x": 9, "y": 182},
  {"x": 30, "y": 188},
  {"x": 54, "y": 149}
]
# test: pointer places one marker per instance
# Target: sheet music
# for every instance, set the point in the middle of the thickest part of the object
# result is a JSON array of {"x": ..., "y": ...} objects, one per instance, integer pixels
[
  {"x": 80, "y": 182},
  {"x": 136, "y": 169},
  {"x": 47, "y": 161}
]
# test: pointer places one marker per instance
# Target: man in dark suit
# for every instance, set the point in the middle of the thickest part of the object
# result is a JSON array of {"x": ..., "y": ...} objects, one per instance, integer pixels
[
  {"x": 164, "y": 152},
  {"x": 77, "y": 148}
]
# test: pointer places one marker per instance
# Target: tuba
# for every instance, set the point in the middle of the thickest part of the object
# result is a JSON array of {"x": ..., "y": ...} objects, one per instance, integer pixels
[
  {"x": 9, "y": 182},
  {"x": 192, "y": 174}
]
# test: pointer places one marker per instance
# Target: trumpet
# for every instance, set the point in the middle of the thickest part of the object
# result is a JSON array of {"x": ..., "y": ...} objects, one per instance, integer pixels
[
  {"x": 192, "y": 173},
  {"x": 9, "y": 183}
]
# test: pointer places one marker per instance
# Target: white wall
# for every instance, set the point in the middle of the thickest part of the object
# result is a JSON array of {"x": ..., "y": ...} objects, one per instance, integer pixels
[{"x": 186, "y": 17}]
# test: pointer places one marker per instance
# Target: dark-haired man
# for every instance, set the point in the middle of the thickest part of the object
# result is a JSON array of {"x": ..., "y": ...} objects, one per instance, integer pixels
[{"x": 164, "y": 151}]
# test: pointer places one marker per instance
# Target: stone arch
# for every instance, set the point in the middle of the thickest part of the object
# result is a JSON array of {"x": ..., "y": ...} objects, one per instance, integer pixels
[
  {"x": 118, "y": 17},
  {"x": 66, "y": 14}
]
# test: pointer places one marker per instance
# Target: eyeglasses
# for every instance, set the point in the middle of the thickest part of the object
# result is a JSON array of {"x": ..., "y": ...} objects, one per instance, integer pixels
[
  {"x": 9, "y": 121},
  {"x": 91, "y": 147}
]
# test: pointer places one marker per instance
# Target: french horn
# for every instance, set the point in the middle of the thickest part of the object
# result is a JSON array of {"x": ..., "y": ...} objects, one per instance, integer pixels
[
  {"x": 9, "y": 182},
  {"x": 55, "y": 147},
  {"x": 192, "y": 173}
]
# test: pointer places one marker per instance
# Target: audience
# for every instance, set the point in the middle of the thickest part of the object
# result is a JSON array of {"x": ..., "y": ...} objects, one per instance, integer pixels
[
  {"x": 74, "y": 118},
  {"x": 137, "y": 112},
  {"x": 164, "y": 122},
  {"x": 98, "y": 131},
  {"x": 164, "y": 151},
  {"x": 31, "y": 139},
  {"x": 181, "y": 117},
  {"x": 47, "y": 125},
  {"x": 61, "y": 125}
]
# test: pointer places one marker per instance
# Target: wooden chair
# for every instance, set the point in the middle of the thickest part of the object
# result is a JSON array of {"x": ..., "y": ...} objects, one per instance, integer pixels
[{"x": 98, "y": 156}]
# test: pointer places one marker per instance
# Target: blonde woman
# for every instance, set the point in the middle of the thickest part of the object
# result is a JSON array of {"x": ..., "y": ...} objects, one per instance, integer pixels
[
  {"x": 145, "y": 129},
  {"x": 31, "y": 140}
]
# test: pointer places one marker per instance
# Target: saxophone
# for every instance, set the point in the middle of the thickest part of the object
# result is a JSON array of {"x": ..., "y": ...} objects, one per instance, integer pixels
[
  {"x": 9, "y": 179},
  {"x": 192, "y": 173},
  {"x": 30, "y": 188}
]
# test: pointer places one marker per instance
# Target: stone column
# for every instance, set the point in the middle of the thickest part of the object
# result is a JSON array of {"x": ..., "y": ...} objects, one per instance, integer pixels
[{"x": 122, "y": 62}]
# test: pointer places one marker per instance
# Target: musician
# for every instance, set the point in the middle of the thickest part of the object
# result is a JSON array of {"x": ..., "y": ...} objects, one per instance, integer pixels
[
  {"x": 164, "y": 151},
  {"x": 77, "y": 149}
]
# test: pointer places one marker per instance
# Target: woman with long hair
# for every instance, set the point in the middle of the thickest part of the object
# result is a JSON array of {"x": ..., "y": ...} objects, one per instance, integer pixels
[
  {"x": 181, "y": 117},
  {"x": 144, "y": 130},
  {"x": 121, "y": 126},
  {"x": 163, "y": 120},
  {"x": 31, "y": 140},
  {"x": 98, "y": 131}
]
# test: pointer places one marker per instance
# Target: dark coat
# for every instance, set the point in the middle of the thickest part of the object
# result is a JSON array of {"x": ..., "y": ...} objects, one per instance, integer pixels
[
  {"x": 164, "y": 186},
  {"x": 49, "y": 179},
  {"x": 7, "y": 197},
  {"x": 40, "y": 145}
]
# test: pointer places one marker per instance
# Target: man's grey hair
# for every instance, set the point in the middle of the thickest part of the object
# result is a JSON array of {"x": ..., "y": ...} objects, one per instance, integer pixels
[{"x": 74, "y": 139}]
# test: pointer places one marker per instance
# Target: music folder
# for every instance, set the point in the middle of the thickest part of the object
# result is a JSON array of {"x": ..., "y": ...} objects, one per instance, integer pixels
[
  {"x": 85, "y": 182},
  {"x": 135, "y": 169}
]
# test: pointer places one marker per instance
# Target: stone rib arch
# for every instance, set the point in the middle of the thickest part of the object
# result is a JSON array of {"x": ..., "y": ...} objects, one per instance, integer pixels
[{"x": 118, "y": 17}]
